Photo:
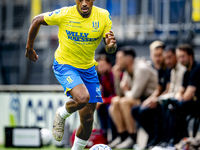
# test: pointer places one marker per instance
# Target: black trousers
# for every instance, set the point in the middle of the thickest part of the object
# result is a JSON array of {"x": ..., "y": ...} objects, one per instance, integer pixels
[
  {"x": 175, "y": 118},
  {"x": 167, "y": 122},
  {"x": 152, "y": 122}
]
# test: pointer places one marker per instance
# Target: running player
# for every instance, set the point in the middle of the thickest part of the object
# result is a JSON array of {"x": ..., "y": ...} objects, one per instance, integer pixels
[{"x": 81, "y": 28}]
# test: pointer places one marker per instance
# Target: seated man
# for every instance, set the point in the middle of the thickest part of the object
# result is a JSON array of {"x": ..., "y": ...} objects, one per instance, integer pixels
[
  {"x": 149, "y": 114},
  {"x": 186, "y": 101},
  {"x": 138, "y": 82},
  {"x": 106, "y": 79},
  {"x": 157, "y": 58}
]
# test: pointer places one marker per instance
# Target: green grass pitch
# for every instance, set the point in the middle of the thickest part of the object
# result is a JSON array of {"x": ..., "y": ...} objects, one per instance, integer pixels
[{"x": 43, "y": 148}]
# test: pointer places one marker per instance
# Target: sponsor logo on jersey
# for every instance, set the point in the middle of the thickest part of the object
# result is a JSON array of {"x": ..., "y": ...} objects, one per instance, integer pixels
[
  {"x": 80, "y": 37},
  {"x": 97, "y": 89},
  {"x": 57, "y": 11},
  {"x": 75, "y": 22},
  {"x": 51, "y": 13}
]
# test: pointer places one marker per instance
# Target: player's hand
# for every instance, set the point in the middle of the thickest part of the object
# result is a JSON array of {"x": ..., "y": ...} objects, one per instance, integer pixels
[
  {"x": 31, "y": 54},
  {"x": 110, "y": 42},
  {"x": 116, "y": 71},
  {"x": 110, "y": 39}
]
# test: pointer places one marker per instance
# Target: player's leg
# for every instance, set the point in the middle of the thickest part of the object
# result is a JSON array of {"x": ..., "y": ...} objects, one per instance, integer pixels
[
  {"x": 74, "y": 87},
  {"x": 91, "y": 81},
  {"x": 84, "y": 131},
  {"x": 116, "y": 116},
  {"x": 80, "y": 98}
]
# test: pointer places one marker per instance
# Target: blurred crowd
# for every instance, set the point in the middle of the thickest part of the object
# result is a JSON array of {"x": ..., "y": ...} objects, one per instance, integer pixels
[{"x": 157, "y": 95}]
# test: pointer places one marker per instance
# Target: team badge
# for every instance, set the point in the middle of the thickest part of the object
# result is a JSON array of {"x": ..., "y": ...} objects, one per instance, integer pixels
[
  {"x": 95, "y": 24},
  {"x": 69, "y": 79}
]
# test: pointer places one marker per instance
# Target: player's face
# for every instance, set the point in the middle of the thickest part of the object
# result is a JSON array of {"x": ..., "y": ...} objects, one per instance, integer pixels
[
  {"x": 157, "y": 56},
  {"x": 170, "y": 59},
  {"x": 183, "y": 57},
  {"x": 84, "y": 7},
  {"x": 103, "y": 67}
]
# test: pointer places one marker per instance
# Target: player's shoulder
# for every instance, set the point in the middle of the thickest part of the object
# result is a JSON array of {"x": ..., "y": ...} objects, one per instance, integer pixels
[
  {"x": 67, "y": 9},
  {"x": 100, "y": 10}
]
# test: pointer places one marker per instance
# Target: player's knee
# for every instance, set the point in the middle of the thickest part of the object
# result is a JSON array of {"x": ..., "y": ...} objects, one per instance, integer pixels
[{"x": 83, "y": 101}]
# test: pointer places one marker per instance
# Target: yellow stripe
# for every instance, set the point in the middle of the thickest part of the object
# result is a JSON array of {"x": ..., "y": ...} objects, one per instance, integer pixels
[
  {"x": 196, "y": 10},
  {"x": 36, "y": 8}
]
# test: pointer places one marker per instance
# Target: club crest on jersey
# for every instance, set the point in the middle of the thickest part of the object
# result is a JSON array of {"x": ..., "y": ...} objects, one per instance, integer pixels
[{"x": 95, "y": 24}]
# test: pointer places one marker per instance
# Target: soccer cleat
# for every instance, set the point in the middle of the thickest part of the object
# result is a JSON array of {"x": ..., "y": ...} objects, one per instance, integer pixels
[{"x": 58, "y": 126}]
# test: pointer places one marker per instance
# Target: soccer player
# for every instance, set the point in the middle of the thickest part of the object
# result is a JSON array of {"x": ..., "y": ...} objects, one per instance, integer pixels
[{"x": 81, "y": 28}]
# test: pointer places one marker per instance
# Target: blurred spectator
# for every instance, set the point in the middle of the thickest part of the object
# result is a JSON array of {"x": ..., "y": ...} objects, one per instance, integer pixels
[
  {"x": 186, "y": 101},
  {"x": 138, "y": 82},
  {"x": 149, "y": 114},
  {"x": 157, "y": 58},
  {"x": 176, "y": 75},
  {"x": 106, "y": 79}
]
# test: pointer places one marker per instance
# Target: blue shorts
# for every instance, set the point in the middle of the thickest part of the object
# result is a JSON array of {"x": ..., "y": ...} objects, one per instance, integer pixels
[{"x": 69, "y": 77}]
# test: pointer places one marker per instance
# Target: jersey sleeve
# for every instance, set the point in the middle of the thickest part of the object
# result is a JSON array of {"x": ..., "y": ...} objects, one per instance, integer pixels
[
  {"x": 54, "y": 17},
  {"x": 108, "y": 24}
]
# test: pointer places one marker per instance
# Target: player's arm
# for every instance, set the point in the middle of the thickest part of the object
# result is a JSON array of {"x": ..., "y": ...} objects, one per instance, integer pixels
[
  {"x": 110, "y": 42},
  {"x": 33, "y": 30}
]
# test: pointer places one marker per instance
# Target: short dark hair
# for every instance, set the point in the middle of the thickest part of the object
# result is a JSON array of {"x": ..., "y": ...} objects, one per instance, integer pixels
[
  {"x": 103, "y": 57},
  {"x": 170, "y": 49},
  {"x": 128, "y": 50},
  {"x": 186, "y": 48}
]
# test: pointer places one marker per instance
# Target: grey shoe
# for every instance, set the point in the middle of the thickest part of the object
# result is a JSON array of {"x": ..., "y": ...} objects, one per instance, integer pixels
[
  {"x": 58, "y": 126},
  {"x": 126, "y": 144},
  {"x": 115, "y": 142}
]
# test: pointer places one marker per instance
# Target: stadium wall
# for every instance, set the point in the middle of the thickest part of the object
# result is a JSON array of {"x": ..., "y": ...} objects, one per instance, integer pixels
[{"x": 29, "y": 106}]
